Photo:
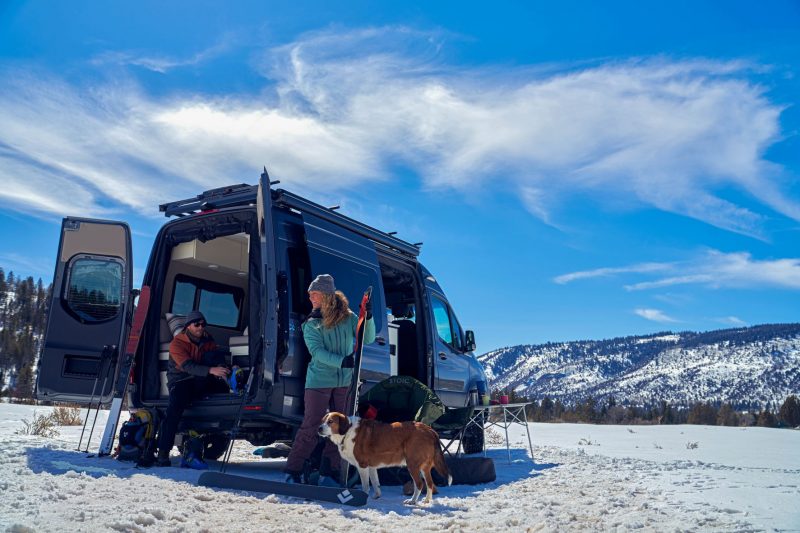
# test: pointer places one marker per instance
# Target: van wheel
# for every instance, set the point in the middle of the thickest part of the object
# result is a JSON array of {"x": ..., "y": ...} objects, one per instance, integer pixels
[
  {"x": 473, "y": 439},
  {"x": 215, "y": 446}
]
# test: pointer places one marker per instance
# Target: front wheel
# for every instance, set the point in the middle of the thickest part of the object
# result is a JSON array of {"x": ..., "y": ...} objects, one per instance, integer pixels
[{"x": 473, "y": 437}]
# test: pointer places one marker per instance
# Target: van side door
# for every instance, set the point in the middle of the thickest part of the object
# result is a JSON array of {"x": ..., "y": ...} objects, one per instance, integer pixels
[
  {"x": 450, "y": 361},
  {"x": 353, "y": 262},
  {"x": 89, "y": 312}
]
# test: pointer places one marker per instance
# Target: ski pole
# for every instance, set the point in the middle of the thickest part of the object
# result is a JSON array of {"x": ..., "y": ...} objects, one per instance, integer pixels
[
  {"x": 103, "y": 356},
  {"x": 110, "y": 359},
  {"x": 235, "y": 429}
]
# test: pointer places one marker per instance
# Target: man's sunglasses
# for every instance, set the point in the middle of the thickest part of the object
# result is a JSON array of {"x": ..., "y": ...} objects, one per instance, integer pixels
[{"x": 201, "y": 324}]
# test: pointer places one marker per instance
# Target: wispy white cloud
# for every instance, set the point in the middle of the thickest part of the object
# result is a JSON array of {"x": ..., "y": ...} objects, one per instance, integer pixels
[
  {"x": 343, "y": 108},
  {"x": 654, "y": 314},
  {"x": 732, "y": 321},
  {"x": 712, "y": 269},
  {"x": 162, "y": 63},
  {"x": 734, "y": 270},
  {"x": 605, "y": 272}
]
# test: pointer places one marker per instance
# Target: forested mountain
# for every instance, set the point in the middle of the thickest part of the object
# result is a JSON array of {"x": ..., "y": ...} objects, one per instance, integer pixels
[
  {"x": 749, "y": 368},
  {"x": 23, "y": 318}
]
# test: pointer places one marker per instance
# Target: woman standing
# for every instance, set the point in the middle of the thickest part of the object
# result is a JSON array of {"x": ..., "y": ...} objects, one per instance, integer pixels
[{"x": 329, "y": 333}]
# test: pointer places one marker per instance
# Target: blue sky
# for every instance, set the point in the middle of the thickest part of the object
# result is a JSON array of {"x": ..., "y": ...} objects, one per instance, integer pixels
[{"x": 576, "y": 170}]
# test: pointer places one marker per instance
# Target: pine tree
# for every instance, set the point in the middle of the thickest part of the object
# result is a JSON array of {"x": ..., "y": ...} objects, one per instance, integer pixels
[
  {"x": 727, "y": 416},
  {"x": 24, "y": 388},
  {"x": 546, "y": 410},
  {"x": 3, "y": 290},
  {"x": 789, "y": 413},
  {"x": 766, "y": 419},
  {"x": 702, "y": 414},
  {"x": 665, "y": 414}
]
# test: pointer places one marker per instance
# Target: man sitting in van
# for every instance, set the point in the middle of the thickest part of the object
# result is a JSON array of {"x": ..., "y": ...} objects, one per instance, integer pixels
[{"x": 192, "y": 374}]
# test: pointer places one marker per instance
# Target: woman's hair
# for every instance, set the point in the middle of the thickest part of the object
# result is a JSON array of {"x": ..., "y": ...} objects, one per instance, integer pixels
[{"x": 335, "y": 308}]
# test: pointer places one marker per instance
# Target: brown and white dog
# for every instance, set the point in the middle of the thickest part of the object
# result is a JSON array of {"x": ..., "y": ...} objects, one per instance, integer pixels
[{"x": 369, "y": 445}]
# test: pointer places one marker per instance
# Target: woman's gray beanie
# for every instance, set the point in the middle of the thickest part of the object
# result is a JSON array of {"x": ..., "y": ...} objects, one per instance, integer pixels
[{"x": 323, "y": 283}]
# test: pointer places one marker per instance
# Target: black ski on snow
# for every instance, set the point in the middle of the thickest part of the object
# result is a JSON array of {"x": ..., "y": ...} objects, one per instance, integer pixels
[
  {"x": 338, "y": 495},
  {"x": 352, "y": 395}
]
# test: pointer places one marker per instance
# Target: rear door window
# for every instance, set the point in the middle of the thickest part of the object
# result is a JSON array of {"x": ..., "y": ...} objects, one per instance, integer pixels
[{"x": 94, "y": 290}]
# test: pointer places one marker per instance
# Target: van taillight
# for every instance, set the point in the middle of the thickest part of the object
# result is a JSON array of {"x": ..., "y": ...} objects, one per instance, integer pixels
[{"x": 252, "y": 407}]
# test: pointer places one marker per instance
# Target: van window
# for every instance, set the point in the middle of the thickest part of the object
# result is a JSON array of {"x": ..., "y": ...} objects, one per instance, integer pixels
[
  {"x": 441, "y": 316},
  {"x": 94, "y": 288},
  {"x": 220, "y": 304},
  {"x": 447, "y": 325}
]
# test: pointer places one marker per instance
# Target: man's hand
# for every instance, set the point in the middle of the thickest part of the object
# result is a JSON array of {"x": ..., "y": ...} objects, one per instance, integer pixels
[
  {"x": 349, "y": 362},
  {"x": 219, "y": 371}
]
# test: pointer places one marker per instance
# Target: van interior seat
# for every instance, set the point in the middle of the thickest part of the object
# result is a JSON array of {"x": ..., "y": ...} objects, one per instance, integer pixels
[
  {"x": 240, "y": 351},
  {"x": 164, "y": 338}
]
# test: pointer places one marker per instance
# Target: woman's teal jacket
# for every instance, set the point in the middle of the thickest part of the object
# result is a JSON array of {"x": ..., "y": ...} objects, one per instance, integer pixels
[{"x": 328, "y": 346}]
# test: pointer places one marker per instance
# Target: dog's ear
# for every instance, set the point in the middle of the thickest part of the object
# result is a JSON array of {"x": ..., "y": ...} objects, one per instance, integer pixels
[{"x": 344, "y": 424}]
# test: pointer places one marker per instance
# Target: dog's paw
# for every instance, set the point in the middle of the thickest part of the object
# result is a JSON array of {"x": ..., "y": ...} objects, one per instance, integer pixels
[{"x": 409, "y": 502}]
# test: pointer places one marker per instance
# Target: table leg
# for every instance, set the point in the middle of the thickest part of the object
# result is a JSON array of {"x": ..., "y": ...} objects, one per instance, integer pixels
[
  {"x": 525, "y": 418},
  {"x": 505, "y": 427}
]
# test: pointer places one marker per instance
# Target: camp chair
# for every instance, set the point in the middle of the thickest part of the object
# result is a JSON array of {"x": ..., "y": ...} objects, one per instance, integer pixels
[{"x": 401, "y": 398}]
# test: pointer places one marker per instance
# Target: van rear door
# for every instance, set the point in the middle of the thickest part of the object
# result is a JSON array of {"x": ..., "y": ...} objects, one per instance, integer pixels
[
  {"x": 269, "y": 296},
  {"x": 89, "y": 312}
]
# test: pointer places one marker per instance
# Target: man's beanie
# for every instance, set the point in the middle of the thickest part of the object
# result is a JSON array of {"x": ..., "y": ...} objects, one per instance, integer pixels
[
  {"x": 194, "y": 316},
  {"x": 323, "y": 283}
]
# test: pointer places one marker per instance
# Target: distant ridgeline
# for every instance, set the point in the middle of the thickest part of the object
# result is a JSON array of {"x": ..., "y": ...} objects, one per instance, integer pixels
[
  {"x": 749, "y": 368},
  {"x": 23, "y": 318}
]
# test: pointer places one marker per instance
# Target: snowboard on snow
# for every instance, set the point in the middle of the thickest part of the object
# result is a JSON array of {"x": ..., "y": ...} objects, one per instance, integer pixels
[{"x": 338, "y": 495}]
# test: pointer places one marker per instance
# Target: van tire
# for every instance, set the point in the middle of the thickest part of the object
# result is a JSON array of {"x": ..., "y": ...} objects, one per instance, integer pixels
[
  {"x": 473, "y": 439},
  {"x": 216, "y": 445}
]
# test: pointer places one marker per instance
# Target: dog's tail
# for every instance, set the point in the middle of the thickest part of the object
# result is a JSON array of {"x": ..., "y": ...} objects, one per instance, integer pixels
[{"x": 441, "y": 465}]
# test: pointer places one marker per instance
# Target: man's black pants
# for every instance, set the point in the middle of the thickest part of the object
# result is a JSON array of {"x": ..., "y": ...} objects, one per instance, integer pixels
[{"x": 181, "y": 395}]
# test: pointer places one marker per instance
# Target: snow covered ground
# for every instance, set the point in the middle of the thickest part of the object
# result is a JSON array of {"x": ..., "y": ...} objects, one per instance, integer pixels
[{"x": 583, "y": 477}]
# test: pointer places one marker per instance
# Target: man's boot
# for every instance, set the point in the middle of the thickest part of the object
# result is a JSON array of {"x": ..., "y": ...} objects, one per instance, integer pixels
[{"x": 163, "y": 458}]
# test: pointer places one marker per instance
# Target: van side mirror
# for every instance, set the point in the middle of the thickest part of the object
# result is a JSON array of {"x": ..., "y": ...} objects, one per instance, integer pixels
[{"x": 469, "y": 345}]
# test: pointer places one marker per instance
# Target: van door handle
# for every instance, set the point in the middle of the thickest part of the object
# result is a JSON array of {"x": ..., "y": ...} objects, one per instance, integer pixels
[
  {"x": 442, "y": 355},
  {"x": 380, "y": 340}
]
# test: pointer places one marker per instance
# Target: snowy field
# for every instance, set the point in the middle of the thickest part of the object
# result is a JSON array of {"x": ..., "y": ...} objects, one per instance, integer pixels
[{"x": 582, "y": 477}]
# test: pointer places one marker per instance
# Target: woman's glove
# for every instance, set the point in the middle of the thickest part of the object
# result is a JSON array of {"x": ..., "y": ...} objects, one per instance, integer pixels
[
  {"x": 349, "y": 362},
  {"x": 368, "y": 309}
]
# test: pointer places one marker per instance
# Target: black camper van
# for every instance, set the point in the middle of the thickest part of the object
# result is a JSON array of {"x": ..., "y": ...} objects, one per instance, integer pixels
[{"x": 244, "y": 255}]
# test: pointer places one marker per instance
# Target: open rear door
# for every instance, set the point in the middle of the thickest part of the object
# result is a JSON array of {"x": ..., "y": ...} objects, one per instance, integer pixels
[
  {"x": 88, "y": 313},
  {"x": 269, "y": 286}
]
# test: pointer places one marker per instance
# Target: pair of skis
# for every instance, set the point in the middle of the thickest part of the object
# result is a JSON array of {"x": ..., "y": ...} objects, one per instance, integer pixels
[
  {"x": 339, "y": 495},
  {"x": 109, "y": 356}
]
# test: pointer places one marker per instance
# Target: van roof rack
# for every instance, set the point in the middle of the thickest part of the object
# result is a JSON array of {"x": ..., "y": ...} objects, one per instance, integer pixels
[
  {"x": 243, "y": 194},
  {"x": 229, "y": 196}
]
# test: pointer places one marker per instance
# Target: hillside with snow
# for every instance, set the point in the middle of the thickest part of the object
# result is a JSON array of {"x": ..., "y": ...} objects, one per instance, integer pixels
[
  {"x": 582, "y": 477},
  {"x": 747, "y": 367}
]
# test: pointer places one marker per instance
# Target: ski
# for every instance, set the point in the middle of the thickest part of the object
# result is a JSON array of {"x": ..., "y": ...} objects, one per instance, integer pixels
[
  {"x": 126, "y": 371},
  {"x": 352, "y": 395},
  {"x": 338, "y": 495}
]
